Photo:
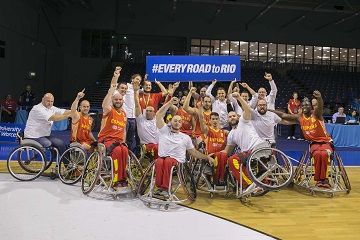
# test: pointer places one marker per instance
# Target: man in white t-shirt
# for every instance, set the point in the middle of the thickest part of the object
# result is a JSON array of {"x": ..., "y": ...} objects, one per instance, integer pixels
[
  {"x": 173, "y": 146},
  {"x": 40, "y": 121},
  {"x": 264, "y": 122},
  {"x": 219, "y": 104},
  {"x": 262, "y": 94},
  {"x": 146, "y": 124},
  {"x": 247, "y": 139}
]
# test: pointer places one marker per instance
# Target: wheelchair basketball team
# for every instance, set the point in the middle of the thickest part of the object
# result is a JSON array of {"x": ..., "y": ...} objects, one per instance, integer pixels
[{"x": 222, "y": 131}]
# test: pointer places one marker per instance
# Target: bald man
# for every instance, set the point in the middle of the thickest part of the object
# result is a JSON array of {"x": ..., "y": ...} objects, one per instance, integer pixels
[
  {"x": 113, "y": 132},
  {"x": 41, "y": 118},
  {"x": 81, "y": 123}
]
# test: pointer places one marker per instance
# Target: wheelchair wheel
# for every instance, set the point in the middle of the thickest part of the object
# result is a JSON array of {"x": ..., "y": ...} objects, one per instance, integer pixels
[
  {"x": 344, "y": 175},
  {"x": 145, "y": 181},
  {"x": 91, "y": 172},
  {"x": 270, "y": 171},
  {"x": 300, "y": 167},
  {"x": 187, "y": 182},
  {"x": 201, "y": 175},
  {"x": 26, "y": 163},
  {"x": 134, "y": 170},
  {"x": 71, "y": 165}
]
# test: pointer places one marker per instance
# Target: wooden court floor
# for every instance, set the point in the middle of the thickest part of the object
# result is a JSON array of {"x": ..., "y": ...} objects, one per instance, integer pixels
[{"x": 291, "y": 213}]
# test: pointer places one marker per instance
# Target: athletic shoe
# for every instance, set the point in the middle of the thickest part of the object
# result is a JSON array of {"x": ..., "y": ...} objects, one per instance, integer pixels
[
  {"x": 318, "y": 184},
  {"x": 288, "y": 138},
  {"x": 300, "y": 139},
  {"x": 293, "y": 137},
  {"x": 325, "y": 184},
  {"x": 165, "y": 193},
  {"x": 158, "y": 192}
]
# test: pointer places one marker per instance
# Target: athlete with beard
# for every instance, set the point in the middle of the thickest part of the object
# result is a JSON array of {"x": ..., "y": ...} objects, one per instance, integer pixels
[
  {"x": 313, "y": 128},
  {"x": 113, "y": 132},
  {"x": 264, "y": 121},
  {"x": 151, "y": 99},
  {"x": 173, "y": 146},
  {"x": 81, "y": 123}
]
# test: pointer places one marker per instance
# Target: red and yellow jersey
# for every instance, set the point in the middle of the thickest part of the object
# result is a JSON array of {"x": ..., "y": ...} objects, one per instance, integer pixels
[
  {"x": 186, "y": 126},
  {"x": 151, "y": 99},
  {"x": 197, "y": 130},
  {"x": 113, "y": 125},
  {"x": 81, "y": 129},
  {"x": 215, "y": 140},
  {"x": 313, "y": 129}
]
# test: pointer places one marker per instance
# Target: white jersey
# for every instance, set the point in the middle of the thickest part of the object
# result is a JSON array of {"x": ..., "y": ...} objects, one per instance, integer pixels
[
  {"x": 270, "y": 99},
  {"x": 38, "y": 124},
  {"x": 264, "y": 124},
  {"x": 146, "y": 129},
  {"x": 219, "y": 107},
  {"x": 244, "y": 136},
  {"x": 173, "y": 144}
]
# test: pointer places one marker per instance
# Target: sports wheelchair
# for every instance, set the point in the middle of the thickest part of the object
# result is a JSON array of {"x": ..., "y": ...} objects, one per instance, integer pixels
[
  {"x": 145, "y": 157},
  {"x": 97, "y": 177},
  {"x": 30, "y": 159},
  {"x": 268, "y": 168},
  {"x": 181, "y": 188},
  {"x": 337, "y": 175}
]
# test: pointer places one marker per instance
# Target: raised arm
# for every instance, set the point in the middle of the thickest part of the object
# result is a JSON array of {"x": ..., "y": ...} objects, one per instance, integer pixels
[
  {"x": 162, "y": 88},
  {"x": 106, "y": 104},
  {"x": 293, "y": 118},
  {"x": 318, "y": 112},
  {"x": 209, "y": 89},
  {"x": 230, "y": 89},
  {"x": 187, "y": 108},
  {"x": 162, "y": 111},
  {"x": 136, "y": 86},
  {"x": 204, "y": 128},
  {"x": 115, "y": 77},
  {"x": 273, "y": 87},
  {"x": 245, "y": 106},
  {"x": 75, "y": 116}
]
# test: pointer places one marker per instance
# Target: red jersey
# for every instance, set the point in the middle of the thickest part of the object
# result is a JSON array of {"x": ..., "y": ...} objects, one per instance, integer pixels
[
  {"x": 113, "y": 125},
  {"x": 215, "y": 140},
  {"x": 152, "y": 99},
  {"x": 81, "y": 129},
  {"x": 197, "y": 130},
  {"x": 9, "y": 105},
  {"x": 313, "y": 129},
  {"x": 186, "y": 126},
  {"x": 294, "y": 105}
]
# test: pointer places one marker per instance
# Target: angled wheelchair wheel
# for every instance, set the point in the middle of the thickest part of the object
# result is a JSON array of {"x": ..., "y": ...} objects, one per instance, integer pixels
[
  {"x": 26, "y": 163},
  {"x": 145, "y": 181},
  {"x": 71, "y": 165},
  {"x": 187, "y": 181},
  {"x": 134, "y": 170},
  {"x": 270, "y": 168},
  {"x": 91, "y": 172},
  {"x": 343, "y": 173},
  {"x": 299, "y": 171}
]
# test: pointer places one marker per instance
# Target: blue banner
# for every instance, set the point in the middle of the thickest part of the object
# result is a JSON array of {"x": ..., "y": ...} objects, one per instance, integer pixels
[
  {"x": 8, "y": 131},
  {"x": 193, "y": 68}
]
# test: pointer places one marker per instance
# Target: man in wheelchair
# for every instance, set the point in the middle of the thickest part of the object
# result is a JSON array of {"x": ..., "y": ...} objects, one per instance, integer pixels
[
  {"x": 313, "y": 128},
  {"x": 81, "y": 123},
  {"x": 215, "y": 142},
  {"x": 173, "y": 145},
  {"x": 146, "y": 124},
  {"x": 40, "y": 121},
  {"x": 113, "y": 132}
]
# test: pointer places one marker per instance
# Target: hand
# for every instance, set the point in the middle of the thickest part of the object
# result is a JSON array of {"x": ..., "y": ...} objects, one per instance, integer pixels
[
  {"x": 81, "y": 94},
  {"x": 136, "y": 85},
  {"x": 268, "y": 76},
  {"x": 244, "y": 85},
  {"x": 199, "y": 105},
  {"x": 113, "y": 86},
  {"x": 117, "y": 72},
  {"x": 214, "y": 82},
  {"x": 193, "y": 90},
  {"x": 211, "y": 160},
  {"x": 317, "y": 94},
  {"x": 145, "y": 77},
  {"x": 233, "y": 81},
  {"x": 174, "y": 100},
  {"x": 157, "y": 82},
  {"x": 176, "y": 85}
]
